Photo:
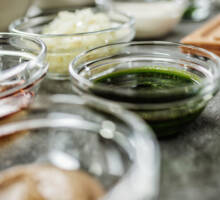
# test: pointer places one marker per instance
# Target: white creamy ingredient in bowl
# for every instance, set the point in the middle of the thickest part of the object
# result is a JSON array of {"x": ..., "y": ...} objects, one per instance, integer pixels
[
  {"x": 153, "y": 19},
  {"x": 62, "y": 50}
]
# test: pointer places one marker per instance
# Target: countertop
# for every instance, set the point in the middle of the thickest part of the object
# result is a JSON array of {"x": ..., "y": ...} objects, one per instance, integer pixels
[
  {"x": 191, "y": 161},
  {"x": 190, "y": 167}
]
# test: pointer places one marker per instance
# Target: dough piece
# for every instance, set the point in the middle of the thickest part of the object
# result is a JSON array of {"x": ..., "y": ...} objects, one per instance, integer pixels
[{"x": 207, "y": 37}]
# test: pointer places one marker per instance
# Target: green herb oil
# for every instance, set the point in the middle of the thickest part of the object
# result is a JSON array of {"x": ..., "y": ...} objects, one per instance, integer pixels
[{"x": 153, "y": 79}]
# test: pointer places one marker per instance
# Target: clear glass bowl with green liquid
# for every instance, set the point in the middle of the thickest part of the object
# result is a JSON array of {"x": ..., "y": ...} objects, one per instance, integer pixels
[{"x": 167, "y": 84}]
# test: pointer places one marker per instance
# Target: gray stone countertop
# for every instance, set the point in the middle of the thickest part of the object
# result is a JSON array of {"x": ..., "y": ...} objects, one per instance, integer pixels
[
  {"x": 190, "y": 167},
  {"x": 191, "y": 161}
]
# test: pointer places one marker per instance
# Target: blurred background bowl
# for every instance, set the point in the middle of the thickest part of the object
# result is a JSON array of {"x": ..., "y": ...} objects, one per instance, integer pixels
[
  {"x": 153, "y": 19},
  {"x": 11, "y": 10}
]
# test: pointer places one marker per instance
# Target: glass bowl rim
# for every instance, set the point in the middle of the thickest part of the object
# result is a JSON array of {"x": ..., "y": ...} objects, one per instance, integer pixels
[
  {"x": 146, "y": 164},
  {"x": 40, "y": 58},
  {"x": 88, "y": 84},
  {"x": 13, "y": 27}
]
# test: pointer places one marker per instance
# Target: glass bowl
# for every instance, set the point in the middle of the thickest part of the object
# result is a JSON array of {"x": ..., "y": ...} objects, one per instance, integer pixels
[
  {"x": 22, "y": 66},
  {"x": 153, "y": 19},
  {"x": 100, "y": 138},
  {"x": 62, "y": 48},
  {"x": 167, "y": 84}
]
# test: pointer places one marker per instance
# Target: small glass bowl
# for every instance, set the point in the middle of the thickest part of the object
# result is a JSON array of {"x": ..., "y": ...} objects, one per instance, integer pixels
[
  {"x": 68, "y": 46},
  {"x": 100, "y": 138},
  {"x": 22, "y": 66},
  {"x": 167, "y": 110}
]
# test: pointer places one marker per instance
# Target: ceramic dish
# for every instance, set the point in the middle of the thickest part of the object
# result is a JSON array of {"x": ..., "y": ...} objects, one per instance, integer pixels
[{"x": 153, "y": 19}]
